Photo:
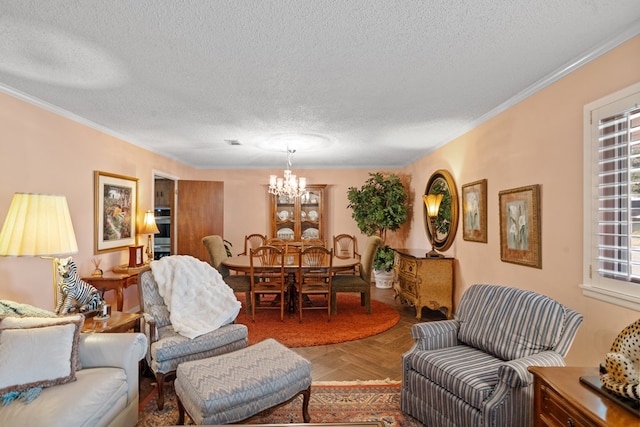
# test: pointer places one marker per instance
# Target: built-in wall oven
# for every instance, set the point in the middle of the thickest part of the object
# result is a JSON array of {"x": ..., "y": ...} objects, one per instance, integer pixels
[{"x": 162, "y": 240}]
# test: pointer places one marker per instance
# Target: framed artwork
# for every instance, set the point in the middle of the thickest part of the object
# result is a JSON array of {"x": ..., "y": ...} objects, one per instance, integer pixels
[
  {"x": 116, "y": 204},
  {"x": 520, "y": 240},
  {"x": 474, "y": 211}
]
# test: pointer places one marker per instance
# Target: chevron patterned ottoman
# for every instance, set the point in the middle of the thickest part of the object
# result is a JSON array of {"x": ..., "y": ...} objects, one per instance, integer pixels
[{"x": 235, "y": 386}]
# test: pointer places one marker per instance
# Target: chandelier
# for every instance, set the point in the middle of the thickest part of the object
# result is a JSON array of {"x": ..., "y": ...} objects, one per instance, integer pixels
[{"x": 290, "y": 185}]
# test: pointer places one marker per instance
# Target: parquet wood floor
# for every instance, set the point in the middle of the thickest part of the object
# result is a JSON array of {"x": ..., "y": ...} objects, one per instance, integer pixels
[{"x": 374, "y": 358}]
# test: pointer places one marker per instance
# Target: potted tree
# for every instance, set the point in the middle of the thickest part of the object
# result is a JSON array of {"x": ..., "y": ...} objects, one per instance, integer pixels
[{"x": 378, "y": 206}]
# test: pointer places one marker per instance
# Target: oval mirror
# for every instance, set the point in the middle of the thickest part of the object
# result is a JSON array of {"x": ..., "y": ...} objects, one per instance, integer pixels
[{"x": 446, "y": 224}]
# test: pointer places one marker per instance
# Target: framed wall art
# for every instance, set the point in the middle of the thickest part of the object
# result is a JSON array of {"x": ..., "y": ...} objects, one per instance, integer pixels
[
  {"x": 474, "y": 211},
  {"x": 520, "y": 240},
  {"x": 116, "y": 204}
]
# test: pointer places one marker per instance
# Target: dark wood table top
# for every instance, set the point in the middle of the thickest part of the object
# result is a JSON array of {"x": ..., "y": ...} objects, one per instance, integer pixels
[{"x": 242, "y": 263}]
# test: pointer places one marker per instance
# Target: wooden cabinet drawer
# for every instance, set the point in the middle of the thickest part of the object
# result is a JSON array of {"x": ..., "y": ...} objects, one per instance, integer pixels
[
  {"x": 408, "y": 267},
  {"x": 556, "y": 411},
  {"x": 408, "y": 287}
]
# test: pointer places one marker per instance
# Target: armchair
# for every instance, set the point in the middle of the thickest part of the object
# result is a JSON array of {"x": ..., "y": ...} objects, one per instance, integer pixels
[
  {"x": 217, "y": 253},
  {"x": 167, "y": 349},
  {"x": 472, "y": 370},
  {"x": 360, "y": 282}
]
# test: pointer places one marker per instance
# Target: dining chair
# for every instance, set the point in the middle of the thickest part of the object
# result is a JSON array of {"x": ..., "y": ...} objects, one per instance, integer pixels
[
  {"x": 217, "y": 253},
  {"x": 253, "y": 241},
  {"x": 315, "y": 274},
  {"x": 266, "y": 266},
  {"x": 345, "y": 246},
  {"x": 361, "y": 282}
]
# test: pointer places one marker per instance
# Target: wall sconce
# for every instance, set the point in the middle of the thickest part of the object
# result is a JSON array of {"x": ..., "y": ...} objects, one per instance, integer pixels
[
  {"x": 432, "y": 202},
  {"x": 38, "y": 225},
  {"x": 149, "y": 227}
]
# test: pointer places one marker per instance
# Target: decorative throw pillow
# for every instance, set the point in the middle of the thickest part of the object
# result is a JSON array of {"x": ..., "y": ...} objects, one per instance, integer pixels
[
  {"x": 13, "y": 309},
  {"x": 37, "y": 352}
]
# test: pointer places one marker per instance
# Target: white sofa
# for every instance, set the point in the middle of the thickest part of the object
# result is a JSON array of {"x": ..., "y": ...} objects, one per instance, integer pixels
[{"x": 104, "y": 394}]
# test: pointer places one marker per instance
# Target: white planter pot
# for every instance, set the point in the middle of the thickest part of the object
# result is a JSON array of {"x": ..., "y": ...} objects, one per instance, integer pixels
[{"x": 384, "y": 279}]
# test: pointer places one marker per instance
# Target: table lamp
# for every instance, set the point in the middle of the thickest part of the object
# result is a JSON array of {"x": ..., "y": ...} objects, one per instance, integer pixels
[
  {"x": 149, "y": 227},
  {"x": 38, "y": 225},
  {"x": 432, "y": 202}
]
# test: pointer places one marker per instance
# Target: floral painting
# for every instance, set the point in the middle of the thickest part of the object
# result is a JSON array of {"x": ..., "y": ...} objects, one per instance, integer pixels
[
  {"x": 520, "y": 226},
  {"x": 474, "y": 211},
  {"x": 115, "y": 208}
]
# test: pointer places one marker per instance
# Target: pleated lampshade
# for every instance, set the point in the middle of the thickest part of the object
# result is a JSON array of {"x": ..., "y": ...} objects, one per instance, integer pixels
[{"x": 38, "y": 225}]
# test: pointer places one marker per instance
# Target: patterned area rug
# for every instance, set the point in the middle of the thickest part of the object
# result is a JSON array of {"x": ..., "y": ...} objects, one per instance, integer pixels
[
  {"x": 350, "y": 323},
  {"x": 345, "y": 402}
]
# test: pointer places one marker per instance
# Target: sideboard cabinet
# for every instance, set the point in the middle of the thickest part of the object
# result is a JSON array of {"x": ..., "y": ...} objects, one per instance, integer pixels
[
  {"x": 299, "y": 218},
  {"x": 561, "y": 399},
  {"x": 423, "y": 282}
]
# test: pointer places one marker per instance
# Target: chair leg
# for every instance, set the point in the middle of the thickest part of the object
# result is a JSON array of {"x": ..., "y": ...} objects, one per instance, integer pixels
[
  {"x": 366, "y": 296},
  {"x": 180, "y": 412},
  {"x": 253, "y": 306},
  {"x": 160, "y": 385},
  {"x": 334, "y": 307},
  {"x": 282, "y": 303},
  {"x": 248, "y": 302},
  {"x": 306, "y": 396}
]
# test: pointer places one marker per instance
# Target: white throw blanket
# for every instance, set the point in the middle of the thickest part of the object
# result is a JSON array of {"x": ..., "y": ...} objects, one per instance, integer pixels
[{"x": 199, "y": 301}]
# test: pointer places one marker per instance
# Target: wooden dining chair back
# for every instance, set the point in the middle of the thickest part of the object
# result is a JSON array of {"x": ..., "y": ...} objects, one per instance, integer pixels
[
  {"x": 266, "y": 270},
  {"x": 315, "y": 274},
  {"x": 253, "y": 241},
  {"x": 345, "y": 246}
]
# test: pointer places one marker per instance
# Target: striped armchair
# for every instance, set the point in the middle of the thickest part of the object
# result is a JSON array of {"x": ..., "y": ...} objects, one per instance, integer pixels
[{"x": 472, "y": 370}]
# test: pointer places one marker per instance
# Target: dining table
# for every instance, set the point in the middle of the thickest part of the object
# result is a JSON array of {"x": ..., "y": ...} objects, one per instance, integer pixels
[{"x": 242, "y": 264}]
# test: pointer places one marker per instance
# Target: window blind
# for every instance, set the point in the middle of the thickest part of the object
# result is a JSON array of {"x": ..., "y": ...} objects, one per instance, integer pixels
[{"x": 619, "y": 196}]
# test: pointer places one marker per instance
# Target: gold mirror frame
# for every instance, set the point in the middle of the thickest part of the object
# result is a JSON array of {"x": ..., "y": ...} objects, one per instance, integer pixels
[{"x": 441, "y": 182}]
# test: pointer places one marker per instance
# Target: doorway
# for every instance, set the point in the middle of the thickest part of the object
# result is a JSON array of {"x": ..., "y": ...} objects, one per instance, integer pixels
[{"x": 164, "y": 203}]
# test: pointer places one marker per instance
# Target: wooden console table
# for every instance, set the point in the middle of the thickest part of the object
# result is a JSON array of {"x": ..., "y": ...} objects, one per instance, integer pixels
[
  {"x": 117, "y": 322},
  {"x": 423, "y": 282},
  {"x": 560, "y": 399},
  {"x": 117, "y": 280}
]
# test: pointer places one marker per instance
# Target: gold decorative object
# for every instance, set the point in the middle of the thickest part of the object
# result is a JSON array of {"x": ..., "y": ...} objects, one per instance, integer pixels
[{"x": 97, "y": 272}]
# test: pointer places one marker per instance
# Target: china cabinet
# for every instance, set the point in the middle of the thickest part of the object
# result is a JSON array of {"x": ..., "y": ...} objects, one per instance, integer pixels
[{"x": 299, "y": 218}]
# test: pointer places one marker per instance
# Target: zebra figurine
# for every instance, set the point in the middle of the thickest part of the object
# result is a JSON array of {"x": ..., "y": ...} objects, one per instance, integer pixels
[{"x": 74, "y": 292}]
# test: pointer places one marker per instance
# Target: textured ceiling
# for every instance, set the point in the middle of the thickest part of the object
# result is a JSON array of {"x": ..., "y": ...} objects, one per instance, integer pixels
[{"x": 357, "y": 84}]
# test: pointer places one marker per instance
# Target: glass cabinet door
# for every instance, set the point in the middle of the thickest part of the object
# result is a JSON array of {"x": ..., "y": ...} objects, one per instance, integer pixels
[
  {"x": 311, "y": 215},
  {"x": 284, "y": 217}
]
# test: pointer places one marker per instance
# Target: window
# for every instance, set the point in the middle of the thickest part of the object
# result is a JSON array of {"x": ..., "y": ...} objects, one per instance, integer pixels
[{"x": 612, "y": 198}]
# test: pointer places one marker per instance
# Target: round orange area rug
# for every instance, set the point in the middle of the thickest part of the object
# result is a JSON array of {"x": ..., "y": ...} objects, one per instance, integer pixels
[{"x": 350, "y": 323}]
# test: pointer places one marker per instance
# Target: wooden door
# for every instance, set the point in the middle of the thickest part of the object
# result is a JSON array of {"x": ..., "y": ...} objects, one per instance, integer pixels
[{"x": 200, "y": 213}]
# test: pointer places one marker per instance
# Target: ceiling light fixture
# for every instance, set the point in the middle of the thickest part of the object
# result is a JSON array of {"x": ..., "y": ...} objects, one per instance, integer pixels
[{"x": 290, "y": 186}]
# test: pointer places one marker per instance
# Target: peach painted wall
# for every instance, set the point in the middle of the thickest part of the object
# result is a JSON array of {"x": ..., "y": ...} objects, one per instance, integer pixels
[
  {"x": 538, "y": 141},
  {"x": 43, "y": 152}
]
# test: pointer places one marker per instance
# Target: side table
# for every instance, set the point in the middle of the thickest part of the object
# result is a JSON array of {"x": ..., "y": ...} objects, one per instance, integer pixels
[
  {"x": 117, "y": 280},
  {"x": 560, "y": 399},
  {"x": 117, "y": 322}
]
